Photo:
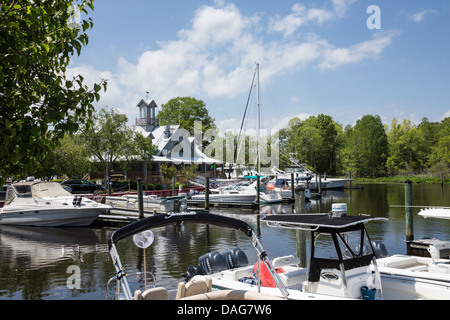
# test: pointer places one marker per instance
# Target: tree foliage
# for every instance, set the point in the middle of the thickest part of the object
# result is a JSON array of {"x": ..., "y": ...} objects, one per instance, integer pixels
[
  {"x": 185, "y": 111},
  {"x": 369, "y": 148},
  {"x": 39, "y": 104},
  {"x": 314, "y": 141},
  {"x": 110, "y": 131},
  {"x": 366, "y": 147}
]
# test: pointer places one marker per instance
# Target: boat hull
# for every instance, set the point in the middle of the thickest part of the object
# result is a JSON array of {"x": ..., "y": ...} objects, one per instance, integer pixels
[
  {"x": 237, "y": 198},
  {"x": 70, "y": 217}
]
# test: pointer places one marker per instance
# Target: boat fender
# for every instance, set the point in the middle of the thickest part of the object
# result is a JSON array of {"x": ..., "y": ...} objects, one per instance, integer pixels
[{"x": 266, "y": 278}]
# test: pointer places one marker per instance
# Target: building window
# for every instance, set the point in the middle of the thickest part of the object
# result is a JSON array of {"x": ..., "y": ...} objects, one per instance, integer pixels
[{"x": 143, "y": 113}]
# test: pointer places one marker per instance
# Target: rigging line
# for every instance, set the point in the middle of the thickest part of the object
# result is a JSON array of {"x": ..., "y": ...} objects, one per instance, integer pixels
[{"x": 245, "y": 112}]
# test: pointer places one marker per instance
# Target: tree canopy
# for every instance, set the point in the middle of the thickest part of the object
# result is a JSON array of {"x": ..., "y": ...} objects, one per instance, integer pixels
[
  {"x": 39, "y": 104},
  {"x": 185, "y": 111}
]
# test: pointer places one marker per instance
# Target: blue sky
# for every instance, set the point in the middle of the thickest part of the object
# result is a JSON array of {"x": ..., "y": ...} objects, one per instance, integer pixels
[{"x": 315, "y": 57}]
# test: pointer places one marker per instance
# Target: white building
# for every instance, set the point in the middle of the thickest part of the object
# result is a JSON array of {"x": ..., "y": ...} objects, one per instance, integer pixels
[{"x": 175, "y": 145}]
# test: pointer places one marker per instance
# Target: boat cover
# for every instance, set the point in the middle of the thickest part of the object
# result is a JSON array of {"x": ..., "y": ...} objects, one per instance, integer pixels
[
  {"x": 161, "y": 220},
  {"x": 41, "y": 189}
]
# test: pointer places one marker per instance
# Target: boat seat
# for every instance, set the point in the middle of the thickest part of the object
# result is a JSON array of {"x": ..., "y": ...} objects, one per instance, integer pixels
[
  {"x": 158, "y": 293},
  {"x": 293, "y": 277},
  {"x": 193, "y": 287},
  {"x": 285, "y": 261},
  {"x": 401, "y": 263}
]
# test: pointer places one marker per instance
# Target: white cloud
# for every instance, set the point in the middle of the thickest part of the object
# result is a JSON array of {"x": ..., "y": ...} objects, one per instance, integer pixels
[
  {"x": 340, "y": 6},
  {"x": 445, "y": 115},
  {"x": 371, "y": 49},
  {"x": 214, "y": 56},
  {"x": 420, "y": 16},
  {"x": 300, "y": 16}
]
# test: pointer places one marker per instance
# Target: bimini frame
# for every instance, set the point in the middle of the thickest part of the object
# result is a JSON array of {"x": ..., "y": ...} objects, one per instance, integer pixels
[
  {"x": 336, "y": 227},
  {"x": 201, "y": 217}
]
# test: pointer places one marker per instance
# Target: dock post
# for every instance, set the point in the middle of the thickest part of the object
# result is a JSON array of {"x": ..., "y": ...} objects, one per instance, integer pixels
[
  {"x": 320, "y": 184},
  {"x": 140, "y": 198},
  {"x": 292, "y": 186},
  {"x": 173, "y": 185},
  {"x": 206, "y": 193},
  {"x": 409, "y": 210},
  {"x": 257, "y": 189}
]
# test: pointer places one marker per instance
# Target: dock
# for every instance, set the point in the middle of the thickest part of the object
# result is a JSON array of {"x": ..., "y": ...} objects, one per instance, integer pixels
[{"x": 112, "y": 220}]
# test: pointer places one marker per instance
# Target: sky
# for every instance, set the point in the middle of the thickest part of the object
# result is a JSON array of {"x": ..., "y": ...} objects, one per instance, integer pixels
[{"x": 342, "y": 58}]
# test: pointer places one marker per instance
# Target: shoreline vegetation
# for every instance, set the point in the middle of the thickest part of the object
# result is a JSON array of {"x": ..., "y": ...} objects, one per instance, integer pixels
[{"x": 401, "y": 178}]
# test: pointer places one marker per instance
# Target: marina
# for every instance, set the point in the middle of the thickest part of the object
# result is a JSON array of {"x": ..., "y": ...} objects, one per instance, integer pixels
[{"x": 36, "y": 261}]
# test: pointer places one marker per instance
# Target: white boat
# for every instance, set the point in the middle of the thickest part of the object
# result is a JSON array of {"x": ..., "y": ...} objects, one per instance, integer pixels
[
  {"x": 240, "y": 193},
  {"x": 347, "y": 266},
  {"x": 428, "y": 259},
  {"x": 306, "y": 179},
  {"x": 129, "y": 204},
  {"x": 437, "y": 213},
  {"x": 39, "y": 203},
  {"x": 198, "y": 287},
  {"x": 283, "y": 187},
  {"x": 434, "y": 268}
]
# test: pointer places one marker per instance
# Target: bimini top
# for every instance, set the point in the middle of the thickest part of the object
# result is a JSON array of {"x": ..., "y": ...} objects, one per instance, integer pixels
[
  {"x": 161, "y": 220},
  {"x": 317, "y": 220}
]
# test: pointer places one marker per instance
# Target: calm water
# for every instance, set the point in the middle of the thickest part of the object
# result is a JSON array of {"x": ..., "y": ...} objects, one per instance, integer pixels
[{"x": 35, "y": 263}]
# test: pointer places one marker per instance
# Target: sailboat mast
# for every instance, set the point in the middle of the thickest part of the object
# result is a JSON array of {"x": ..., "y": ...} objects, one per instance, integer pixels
[{"x": 258, "y": 116}]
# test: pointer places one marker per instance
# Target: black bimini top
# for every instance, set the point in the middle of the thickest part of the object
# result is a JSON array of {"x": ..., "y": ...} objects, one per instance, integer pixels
[
  {"x": 161, "y": 220},
  {"x": 317, "y": 220}
]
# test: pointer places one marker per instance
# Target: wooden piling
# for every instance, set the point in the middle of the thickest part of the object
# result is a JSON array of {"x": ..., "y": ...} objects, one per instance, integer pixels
[
  {"x": 257, "y": 189},
  {"x": 292, "y": 186},
  {"x": 173, "y": 185},
  {"x": 206, "y": 193},
  {"x": 409, "y": 210},
  {"x": 140, "y": 198}
]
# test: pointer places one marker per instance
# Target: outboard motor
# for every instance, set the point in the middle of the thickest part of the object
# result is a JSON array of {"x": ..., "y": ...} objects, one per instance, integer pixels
[
  {"x": 380, "y": 249},
  {"x": 235, "y": 258},
  {"x": 211, "y": 263},
  {"x": 215, "y": 261}
]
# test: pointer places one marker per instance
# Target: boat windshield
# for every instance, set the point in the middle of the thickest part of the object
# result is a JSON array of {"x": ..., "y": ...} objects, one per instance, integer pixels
[{"x": 332, "y": 248}]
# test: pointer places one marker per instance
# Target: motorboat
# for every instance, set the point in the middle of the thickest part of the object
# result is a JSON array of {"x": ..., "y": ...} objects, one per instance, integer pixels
[
  {"x": 42, "y": 203},
  {"x": 283, "y": 187},
  {"x": 241, "y": 193},
  {"x": 306, "y": 178},
  {"x": 434, "y": 267},
  {"x": 195, "y": 286},
  {"x": 129, "y": 204},
  {"x": 437, "y": 213},
  {"x": 342, "y": 264},
  {"x": 428, "y": 259}
]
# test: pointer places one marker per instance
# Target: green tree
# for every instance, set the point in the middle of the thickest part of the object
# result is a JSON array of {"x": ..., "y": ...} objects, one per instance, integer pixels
[
  {"x": 110, "y": 131},
  {"x": 71, "y": 158},
  {"x": 366, "y": 147},
  {"x": 185, "y": 111},
  {"x": 408, "y": 147},
  {"x": 39, "y": 104},
  {"x": 315, "y": 141},
  {"x": 168, "y": 171},
  {"x": 440, "y": 156}
]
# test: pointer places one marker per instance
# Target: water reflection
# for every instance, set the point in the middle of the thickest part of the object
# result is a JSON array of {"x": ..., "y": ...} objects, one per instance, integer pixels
[{"x": 34, "y": 261}]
